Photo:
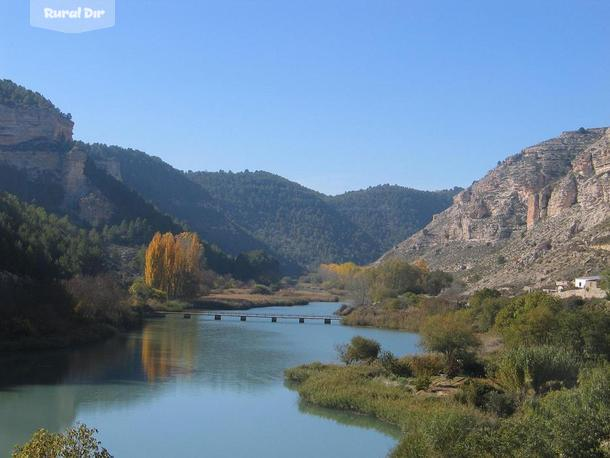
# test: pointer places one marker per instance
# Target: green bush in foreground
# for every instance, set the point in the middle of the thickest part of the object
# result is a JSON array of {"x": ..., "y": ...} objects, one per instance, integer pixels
[
  {"x": 573, "y": 423},
  {"x": 451, "y": 335},
  {"x": 76, "y": 442},
  {"x": 485, "y": 397},
  {"x": 527, "y": 370},
  {"x": 358, "y": 350}
]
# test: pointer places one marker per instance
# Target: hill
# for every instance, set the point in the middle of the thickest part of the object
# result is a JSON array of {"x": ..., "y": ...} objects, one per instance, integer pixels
[
  {"x": 38, "y": 251},
  {"x": 101, "y": 186},
  {"x": 172, "y": 192},
  {"x": 313, "y": 228},
  {"x": 540, "y": 216},
  {"x": 98, "y": 185},
  {"x": 39, "y": 162},
  {"x": 293, "y": 220},
  {"x": 390, "y": 213}
]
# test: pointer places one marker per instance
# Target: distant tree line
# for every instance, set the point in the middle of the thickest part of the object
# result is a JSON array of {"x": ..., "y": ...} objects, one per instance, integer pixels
[
  {"x": 395, "y": 281},
  {"x": 14, "y": 95}
]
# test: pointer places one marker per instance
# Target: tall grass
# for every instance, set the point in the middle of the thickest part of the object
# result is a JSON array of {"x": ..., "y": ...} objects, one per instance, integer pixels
[{"x": 366, "y": 389}]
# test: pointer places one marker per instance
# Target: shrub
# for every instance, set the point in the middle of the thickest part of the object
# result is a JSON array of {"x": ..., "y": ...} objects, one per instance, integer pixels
[
  {"x": 422, "y": 382},
  {"x": 427, "y": 364},
  {"x": 524, "y": 370},
  {"x": 436, "y": 281},
  {"x": 394, "y": 366},
  {"x": 79, "y": 441},
  {"x": 100, "y": 299},
  {"x": 358, "y": 350},
  {"x": 392, "y": 304},
  {"x": 499, "y": 403},
  {"x": 584, "y": 331},
  {"x": 452, "y": 335},
  {"x": 481, "y": 295},
  {"x": 531, "y": 319},
  {"x": 484, "y": 307},
  {"x": 142, "y": 294},
  {"x": 564, "y": 423},
  {"x": 261, "y": 289},
  {"x": 301, "y": 373},
  {"x": 485, "y": 397}
]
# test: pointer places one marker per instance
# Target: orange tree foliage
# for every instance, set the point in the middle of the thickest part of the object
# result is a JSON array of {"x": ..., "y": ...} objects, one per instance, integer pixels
[{"x": 172, "y": 263}]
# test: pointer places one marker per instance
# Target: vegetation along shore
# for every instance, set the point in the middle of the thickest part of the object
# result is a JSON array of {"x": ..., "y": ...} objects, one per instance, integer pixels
[{"x": 542, "y": 389}]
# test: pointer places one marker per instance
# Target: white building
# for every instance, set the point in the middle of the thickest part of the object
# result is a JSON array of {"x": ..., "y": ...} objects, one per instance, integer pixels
[{"x": 586, "y": 282}]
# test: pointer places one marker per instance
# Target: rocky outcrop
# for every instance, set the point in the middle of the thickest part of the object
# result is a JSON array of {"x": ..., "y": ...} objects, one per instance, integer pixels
[
  {"x": 538, "y": 209},
  {"x": 564, "y": 195},
  {"x": 33, "y": 125},
  {"x": 35, "y": 142},
  {"x": 39, "y": 162}
]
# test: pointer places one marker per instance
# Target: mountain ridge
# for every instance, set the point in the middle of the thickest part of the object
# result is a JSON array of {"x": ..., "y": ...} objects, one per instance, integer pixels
[
  {"x": 532, "y": 220},
  {"x": 355, "y": 226},
  {"x": 98, "y": 185}
]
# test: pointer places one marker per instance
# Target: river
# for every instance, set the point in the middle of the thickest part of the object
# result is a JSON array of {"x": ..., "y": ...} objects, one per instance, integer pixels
[{"x": 195, "y": 387}]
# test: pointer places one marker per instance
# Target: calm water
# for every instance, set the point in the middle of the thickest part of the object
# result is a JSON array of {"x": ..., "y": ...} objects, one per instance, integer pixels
[{"x": 193, "y": 388}]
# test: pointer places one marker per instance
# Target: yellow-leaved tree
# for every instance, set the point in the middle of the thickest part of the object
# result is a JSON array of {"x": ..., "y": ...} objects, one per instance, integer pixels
[{"x": 172, "y": 263}]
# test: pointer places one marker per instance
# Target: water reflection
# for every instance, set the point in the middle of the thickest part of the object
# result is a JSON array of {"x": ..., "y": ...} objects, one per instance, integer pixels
[
  {"x": 168, "y": 349},
  {"x": 196, "y": 380},
  {"x": 351, "y": 419}
]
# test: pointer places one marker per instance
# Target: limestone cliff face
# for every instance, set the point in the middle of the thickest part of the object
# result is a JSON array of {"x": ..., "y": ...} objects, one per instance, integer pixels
[
  {"x": 549, "y": 201},
  {"x": 20, "y": 125},
  {"x": 37, "y": 154}
]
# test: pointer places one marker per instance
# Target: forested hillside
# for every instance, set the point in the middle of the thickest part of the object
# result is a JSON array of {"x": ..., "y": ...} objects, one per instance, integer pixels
[
  {"x": 133, "y": 195},
  {"x": 37, "y": 250},
  {"x": 292, "y": 219},
  {"x": 172, "y": 192},
  {"x": 390, "y": 213},
  {"x": 14, "y": 95},
  {"x": 313, "y": 228}
]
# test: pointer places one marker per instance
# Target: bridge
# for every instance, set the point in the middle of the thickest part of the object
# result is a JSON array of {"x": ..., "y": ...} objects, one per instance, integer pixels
[{"x": 243, "y": 316}]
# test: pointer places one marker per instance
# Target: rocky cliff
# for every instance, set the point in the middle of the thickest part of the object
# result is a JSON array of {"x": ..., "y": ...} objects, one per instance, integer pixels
[
  {"x": 32, "y": 125},
  {"x": 539, "y": 216},
  {"x": 39, "y": 162}
]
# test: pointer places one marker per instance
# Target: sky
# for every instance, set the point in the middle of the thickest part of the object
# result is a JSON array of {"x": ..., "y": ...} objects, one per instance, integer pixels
[{"x": 336, "y": 95}]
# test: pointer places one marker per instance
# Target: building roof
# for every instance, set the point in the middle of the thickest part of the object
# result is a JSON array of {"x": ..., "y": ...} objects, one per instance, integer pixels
[{"x": 595, "y": 277}]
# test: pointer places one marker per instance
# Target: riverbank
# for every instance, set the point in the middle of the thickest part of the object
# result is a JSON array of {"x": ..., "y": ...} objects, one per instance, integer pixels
[
  {"x": 238, "y": 299},
  {"x": 371, "y": 390},
  {"x": 73, "y": 337},
  {"x": 473, "y": 421}
]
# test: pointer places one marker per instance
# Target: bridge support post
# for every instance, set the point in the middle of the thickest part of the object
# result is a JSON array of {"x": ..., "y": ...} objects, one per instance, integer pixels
[
  {"x": 301, "y": 320},
  {"x": 242, "y": 318},
  {"x": 217, "y": 317},
  {"x": 274, "y": 319},
  {"x": 326, "y": 320}
]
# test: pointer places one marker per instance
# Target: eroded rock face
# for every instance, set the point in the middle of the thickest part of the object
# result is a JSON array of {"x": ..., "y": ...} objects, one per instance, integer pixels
[
  {"x": 546, "y": 190},
  {"x": 29, "y": 140},
  {"x": 564, "y": 195},
  {"x": 22, "y": 125}
]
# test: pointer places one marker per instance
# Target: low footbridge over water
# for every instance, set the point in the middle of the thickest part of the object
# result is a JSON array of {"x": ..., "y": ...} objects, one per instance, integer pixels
[{"x": 243, "y": 316}]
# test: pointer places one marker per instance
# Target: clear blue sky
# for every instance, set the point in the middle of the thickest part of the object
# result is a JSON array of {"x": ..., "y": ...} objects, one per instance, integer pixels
[{"x": 336, "y": 95}]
